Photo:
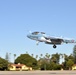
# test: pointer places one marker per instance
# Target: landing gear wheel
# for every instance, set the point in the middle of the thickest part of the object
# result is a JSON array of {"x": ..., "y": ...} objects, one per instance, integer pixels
[{"x": 54, "y": 46}]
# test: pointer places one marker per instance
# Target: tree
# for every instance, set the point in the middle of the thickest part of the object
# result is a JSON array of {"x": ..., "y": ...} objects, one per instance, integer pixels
[
  {"x": 65, "y": 57},
  {"x": 36, "y": 56},
  {"x": 41, "y": 55},
  {"x": 55, "y": 66},
  {"x": 74, "y": 54},
  {"x": 44, "y": 64},
  {"x": 3, "y": 64},
  {"x": 32, "y": 55},
  {"x": 71, "y": 57},
  {"x": 69, "y": 60},
  {"x": 47, "y": 55},
  {"x": 7, "y": 57},
  {"x": 69, "y": 64},
  {"x": 55, "y": 58},
  {"x": 27, "y": 60},
  {"x": 14, "y": 57}
]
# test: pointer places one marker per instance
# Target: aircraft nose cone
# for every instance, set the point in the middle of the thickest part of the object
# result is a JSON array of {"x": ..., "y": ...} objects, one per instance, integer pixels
[{"x": 28, "y": 36}]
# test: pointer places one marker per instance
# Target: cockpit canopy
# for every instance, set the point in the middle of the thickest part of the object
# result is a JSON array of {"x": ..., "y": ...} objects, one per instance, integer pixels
[{"x": 35, "y": 33}]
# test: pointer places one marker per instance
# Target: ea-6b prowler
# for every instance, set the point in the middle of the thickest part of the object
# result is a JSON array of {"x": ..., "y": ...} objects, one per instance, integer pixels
[{"x": 42, "y": 37}]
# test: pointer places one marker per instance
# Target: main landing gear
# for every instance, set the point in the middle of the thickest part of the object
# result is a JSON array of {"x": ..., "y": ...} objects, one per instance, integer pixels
[{"x": 54, "y": 46}]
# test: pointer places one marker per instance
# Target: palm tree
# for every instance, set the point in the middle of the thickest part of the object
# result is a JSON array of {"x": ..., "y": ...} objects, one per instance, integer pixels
[
  {"x": 47, "y": 55},
  {"x": 36, "y": 56},
  {"x": 41, "y": 56},
  {"x": 32, "y": 55},
  {"x": 9, "y": 57},
  {"x": 14, "y": 57},
  {"x": 26, "y": 52}
]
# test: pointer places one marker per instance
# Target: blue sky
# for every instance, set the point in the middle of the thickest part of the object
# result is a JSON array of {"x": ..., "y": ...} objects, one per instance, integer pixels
[{"x": 17, "y": 17}]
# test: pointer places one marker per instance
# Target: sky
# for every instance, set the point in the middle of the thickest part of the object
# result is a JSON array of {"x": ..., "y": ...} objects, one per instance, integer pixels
[{"x": 18, "y": 17}]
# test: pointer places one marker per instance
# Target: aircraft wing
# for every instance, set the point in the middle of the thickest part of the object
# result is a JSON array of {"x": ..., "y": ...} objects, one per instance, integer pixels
[{"x": 54, "y": 40}]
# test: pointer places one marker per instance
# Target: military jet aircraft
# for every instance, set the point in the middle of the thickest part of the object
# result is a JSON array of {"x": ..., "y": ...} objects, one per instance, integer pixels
[{"x": 42, "y": 37}]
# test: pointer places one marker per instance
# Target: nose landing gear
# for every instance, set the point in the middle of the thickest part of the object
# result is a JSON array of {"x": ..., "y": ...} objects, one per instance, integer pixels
[{"x": 54, "y": 46}]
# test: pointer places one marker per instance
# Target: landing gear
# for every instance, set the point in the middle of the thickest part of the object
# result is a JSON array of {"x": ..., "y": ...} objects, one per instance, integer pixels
[
  {"x": 54, "y": 46},
  {"x": 37, "y": 42}
]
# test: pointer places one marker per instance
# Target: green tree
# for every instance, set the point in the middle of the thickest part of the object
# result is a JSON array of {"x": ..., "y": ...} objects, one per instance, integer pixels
[
  {"x": 71, "y": 57},
  {"x": 27, "y": 60},
  {"x": 55, "y": 58},
  {"x": 3, "y": 64},
  {"x": 47, "y": 63},
  {"x": 69, "y": 64},
  {"x": 74, "y": 54},
  {"x": 68, "y": 59},
  {"x": 65, "y": 57},
  {"x": 44, "y": 64},
  {"x": 54, "y": 66}
]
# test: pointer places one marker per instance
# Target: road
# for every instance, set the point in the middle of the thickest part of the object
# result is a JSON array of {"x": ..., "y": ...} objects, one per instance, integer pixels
[{"x": 37, "y": 72}]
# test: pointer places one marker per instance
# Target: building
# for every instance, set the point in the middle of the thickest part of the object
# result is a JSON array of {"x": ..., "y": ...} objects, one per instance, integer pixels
[
  {"x": 19, "y": 67},
  {"x": 74, "y": 67}
]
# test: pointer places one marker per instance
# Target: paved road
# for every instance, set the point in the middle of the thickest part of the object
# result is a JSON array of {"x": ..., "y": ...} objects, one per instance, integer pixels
[{"x": 37, "y": 72}]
